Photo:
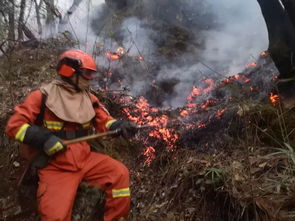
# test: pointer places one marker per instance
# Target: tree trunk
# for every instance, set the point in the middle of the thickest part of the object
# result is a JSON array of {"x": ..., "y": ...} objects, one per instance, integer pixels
[
  {"x": 50, "y": 14},
  {"x": 11, "y": 29},
  {"x": 37, "y": 9},
  {"x": 74, "y": 6},
  {"x": 1, "y": 9},
  {"x": 290, "y": 8},
  {"x": 281, "y": 33},
  {"x": 280, "y": 20},
  {"x": 21, "y": 19},
  {"x": 50, "y": 27}
]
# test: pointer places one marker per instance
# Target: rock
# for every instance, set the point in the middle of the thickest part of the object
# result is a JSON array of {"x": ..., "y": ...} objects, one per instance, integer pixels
[{"x": 16, "y": 164}]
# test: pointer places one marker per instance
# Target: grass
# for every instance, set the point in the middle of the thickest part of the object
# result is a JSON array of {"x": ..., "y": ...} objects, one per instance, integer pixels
[
  {"x": 215, "y": 174},
  {"x": 288, "y": 151}
]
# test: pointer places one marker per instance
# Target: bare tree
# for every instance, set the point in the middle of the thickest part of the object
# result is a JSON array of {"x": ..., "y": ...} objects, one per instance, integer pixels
[
  {"x": 38, "y": 18},
  {"x": 21, "y": 19},
  {"x": 49, "y": 11},
  {"x": 11, "y": 19}
]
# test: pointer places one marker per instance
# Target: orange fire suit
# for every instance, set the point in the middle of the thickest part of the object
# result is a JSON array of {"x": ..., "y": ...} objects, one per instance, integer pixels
[{"x": 58, "y": 182}]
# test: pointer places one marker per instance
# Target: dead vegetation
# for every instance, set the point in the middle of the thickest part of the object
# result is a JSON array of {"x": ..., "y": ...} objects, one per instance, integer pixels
[{"x": 239, "y": 167}]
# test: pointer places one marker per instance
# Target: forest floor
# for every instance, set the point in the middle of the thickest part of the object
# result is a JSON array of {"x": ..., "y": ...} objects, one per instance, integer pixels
[{"x": 238, "y": 167}]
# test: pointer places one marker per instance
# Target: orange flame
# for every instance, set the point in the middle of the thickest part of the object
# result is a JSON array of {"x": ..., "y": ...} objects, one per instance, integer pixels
[
  {"x": 220, "y": 113},
  {"x": 150, "y": 154},
  {"x": 112, "y": 56},
  {"x": 251, "y": 65},
  {"x": 201, "y": 125},
  {"x": 120, "y": 51},
  {"x": 274, "y": 99},
  {"x": 263, "y": 54},
  {"x": 184, "y": 113},
  {"x": 236, "y": 77},
  {"x": 115, "y": 55},
  {"x": 208, "y": 103},
  {"x": 198, "y": 91},
  {"x": 143, "y": 114}
]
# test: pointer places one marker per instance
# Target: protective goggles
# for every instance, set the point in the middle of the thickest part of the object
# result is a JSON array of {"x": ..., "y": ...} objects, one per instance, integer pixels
[{"x": 87, "y": 74}]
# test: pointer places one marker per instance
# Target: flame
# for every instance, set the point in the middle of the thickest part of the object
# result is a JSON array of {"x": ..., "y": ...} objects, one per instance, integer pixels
[
  {"x": 140, "y": 58},
  {"x": 150, "y": 154},
  {"x": 142, "y": 114},
  {"x": 211, "y": 84},
  {"x": 208, "y": 103},
  {"x": 263, "y": 54},
  {"x": 120, "y": 51},
  {"x": 115, "y": 55},
  {"x": 251, "y": 65},
  {"x": 196, "y": 91},
  {"x": 274, "y": 99},
  {"x": 112, "y": 56},
  {"x": 184, "y": 113},
  {"x": 201, "y": 126},
  {"x": 220, "y": 113},
  {"x": 241, "y": 77},
  {"x": 274, "y": 77}
]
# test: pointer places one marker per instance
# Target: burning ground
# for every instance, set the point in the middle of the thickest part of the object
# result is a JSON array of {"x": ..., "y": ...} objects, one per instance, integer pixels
[{"x": 226, "y": 152}]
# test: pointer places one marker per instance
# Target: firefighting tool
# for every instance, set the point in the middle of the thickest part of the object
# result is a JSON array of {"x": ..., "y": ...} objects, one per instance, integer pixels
[
  {"x": 42, "y": 159},
  {"x": 101, "y": 135}
]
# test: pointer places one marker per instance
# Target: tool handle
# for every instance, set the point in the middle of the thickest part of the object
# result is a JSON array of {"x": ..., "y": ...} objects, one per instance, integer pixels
[
  {"x": 99, "y": 135},
  {"x": 91, "y": 137}
]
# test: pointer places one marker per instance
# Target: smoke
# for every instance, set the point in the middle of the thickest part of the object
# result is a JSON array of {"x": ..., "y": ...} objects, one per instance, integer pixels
[
  {"x": 181, "y": 41},
  {"x": 137, "y": 39},
  {"x": 240, "y": 38},
  {"x": 77, "y": 23},
  {"x": 228, "y": 35}
]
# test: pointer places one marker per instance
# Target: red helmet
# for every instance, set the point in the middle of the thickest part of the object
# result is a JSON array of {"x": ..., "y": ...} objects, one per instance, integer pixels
[{"x": 73, "y": 60}]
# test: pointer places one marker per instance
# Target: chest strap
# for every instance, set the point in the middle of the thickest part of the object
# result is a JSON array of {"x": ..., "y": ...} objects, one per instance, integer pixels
[{"x": 71, "y": 134}]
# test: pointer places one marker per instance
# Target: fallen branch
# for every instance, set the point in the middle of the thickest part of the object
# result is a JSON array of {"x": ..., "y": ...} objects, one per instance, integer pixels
[{"x": 1, "y": 48}]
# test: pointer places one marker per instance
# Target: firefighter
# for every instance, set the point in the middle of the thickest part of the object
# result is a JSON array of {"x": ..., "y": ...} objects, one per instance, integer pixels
[{"x": 71, "y": 111}]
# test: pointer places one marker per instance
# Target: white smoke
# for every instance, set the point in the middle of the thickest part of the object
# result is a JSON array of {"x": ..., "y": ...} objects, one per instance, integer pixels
[
  {"x": 137, "y": 38},
  {"x": 79, "y": 22},
  {"x": 242, "y": 37},
  {"x": 238, "y": 39}
]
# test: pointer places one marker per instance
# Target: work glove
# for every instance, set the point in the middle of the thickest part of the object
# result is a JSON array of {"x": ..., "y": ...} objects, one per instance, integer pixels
[
  {"x": 53, "y": 145},
  {"x": 43, "y": 139},
  {"x": 126, "y": 128}
]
